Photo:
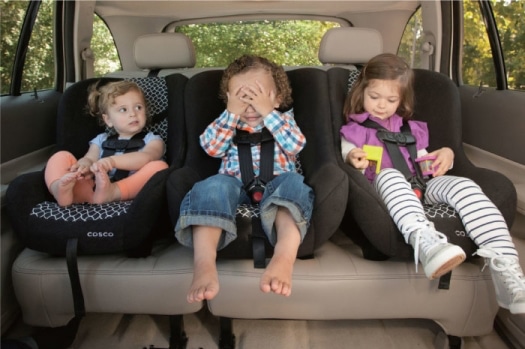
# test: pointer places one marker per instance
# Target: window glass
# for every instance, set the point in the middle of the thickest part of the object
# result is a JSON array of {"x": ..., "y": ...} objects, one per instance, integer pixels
[
  {"x": 13, "y": 13},
  {"x": 510, "y": 19},
  {"x": 104, "y": 50},
  {"x": 477, "y": 64},
  {"x": 410, "y": 46},
  {"x": 290, "y": 42},
  {"x": 39, "y": 66},
  {"x": 39, "y": 70}
]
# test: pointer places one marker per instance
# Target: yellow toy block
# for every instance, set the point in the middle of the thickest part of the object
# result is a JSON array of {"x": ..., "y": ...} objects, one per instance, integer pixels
[{"x": 374, "y": 154}]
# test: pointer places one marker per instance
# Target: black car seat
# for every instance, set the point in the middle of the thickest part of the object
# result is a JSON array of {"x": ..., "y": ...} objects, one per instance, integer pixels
[
  {"x": 128, "y": 227},
  {"x": 317, "y": 161},
  {"x": 367, "y": 220}
]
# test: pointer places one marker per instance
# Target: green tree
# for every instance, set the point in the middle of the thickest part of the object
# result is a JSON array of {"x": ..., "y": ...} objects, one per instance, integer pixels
[
  {"x": 478, "y": 66},
  {"x": 103, "y": 47},
  {"x": 12, "y": 15},
  {"x": 284, "y": 42},
  {"x": 412, "y": 40}
]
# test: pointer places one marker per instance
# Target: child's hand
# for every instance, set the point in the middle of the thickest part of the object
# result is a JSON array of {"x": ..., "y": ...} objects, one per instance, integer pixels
[
  {"x": 235, "y": 105},
  {"x": 104, "y": 165},
  {"x": 82, "y": 167},
  {"x": 443, "y": 162},
  {"x": 263, "y": 101},
  {"x": 357, "y": 158}
]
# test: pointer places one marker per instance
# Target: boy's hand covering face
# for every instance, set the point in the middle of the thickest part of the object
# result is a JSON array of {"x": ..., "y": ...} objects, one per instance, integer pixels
[
  {"x": 235, "y": 105},
  {"x": 259, "y": 98},
  {"x": 252, "y": 95}
]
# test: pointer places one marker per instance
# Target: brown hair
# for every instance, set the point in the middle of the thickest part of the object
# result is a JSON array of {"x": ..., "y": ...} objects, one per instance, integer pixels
[
  {"x": 248, "y": 62},
  {"x": 101, "y": 97},
  {"x": 385, "y": 66}
]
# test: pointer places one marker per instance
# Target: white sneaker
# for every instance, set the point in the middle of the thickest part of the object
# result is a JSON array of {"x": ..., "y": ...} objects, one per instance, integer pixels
[
  {"x": 432, "y": 249},
  {"x": 508, "y": 279}
]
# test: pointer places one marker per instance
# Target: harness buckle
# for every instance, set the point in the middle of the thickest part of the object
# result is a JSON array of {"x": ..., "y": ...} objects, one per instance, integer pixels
[
  {"x": 418, "y": 186},
  {"x": 255, "y": 190}
]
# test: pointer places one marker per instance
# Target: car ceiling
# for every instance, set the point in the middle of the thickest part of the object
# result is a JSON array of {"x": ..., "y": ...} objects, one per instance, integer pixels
[
  {"x": 130, "y": 19},
  {"x": 182, "y": 10}
]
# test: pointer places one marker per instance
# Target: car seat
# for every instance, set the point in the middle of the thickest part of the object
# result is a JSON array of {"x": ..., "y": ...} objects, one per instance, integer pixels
[
  {"x": 317, "y": 160},
  {"x": 367, "y": 220},
  {"x": 128, "y": 227}
]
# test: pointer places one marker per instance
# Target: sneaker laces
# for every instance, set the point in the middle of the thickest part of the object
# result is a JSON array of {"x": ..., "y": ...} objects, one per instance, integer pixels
[
  {"x": 507, "y": 266},
  {"x": 426, "y": 240}
]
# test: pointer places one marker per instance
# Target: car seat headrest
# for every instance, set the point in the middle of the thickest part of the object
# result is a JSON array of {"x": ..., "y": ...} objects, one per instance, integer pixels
[
  {"x": 349, "y": 45},
  {"x": 164, "y": 51}
]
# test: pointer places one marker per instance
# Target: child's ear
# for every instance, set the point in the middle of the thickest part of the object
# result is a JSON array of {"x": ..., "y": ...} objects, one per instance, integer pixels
[
  {"x": 107, "y": 121},
  {"x": 278, "y": 101}
]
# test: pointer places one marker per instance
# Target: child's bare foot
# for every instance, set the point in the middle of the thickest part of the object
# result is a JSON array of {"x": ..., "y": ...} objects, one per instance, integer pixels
[
  {"x": 277, "y": 277},
  {"x": 62, "y": 188},
  {"x": 205, "y": 283},
  {"x": 105, "y": 191}
]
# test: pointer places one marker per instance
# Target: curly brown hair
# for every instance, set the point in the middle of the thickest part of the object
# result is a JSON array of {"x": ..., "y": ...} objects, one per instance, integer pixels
[
  {"x": 248, "y": 62},
  {"x": 102, "y": 96},
  {"x": 385, "y": 66}
]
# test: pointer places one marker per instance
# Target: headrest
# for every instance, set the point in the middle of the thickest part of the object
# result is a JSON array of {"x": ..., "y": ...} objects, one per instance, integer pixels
[
  {"x": 164, "y": 51},
  {"x": 350, "y": 45}
]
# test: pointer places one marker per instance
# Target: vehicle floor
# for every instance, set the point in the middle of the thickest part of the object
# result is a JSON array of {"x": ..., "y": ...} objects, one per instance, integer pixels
[{"x": 202, "y": 329}]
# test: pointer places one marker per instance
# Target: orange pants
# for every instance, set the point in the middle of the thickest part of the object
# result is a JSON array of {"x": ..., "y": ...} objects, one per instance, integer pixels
[{"x": 60, "y": 163}]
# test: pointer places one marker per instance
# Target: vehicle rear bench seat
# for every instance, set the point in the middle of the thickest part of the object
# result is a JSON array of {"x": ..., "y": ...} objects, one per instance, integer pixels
[
  {"x": 156, "y": 284},
  {"x": 338, "y": 282},
  {"x": 335, "y": 283}
]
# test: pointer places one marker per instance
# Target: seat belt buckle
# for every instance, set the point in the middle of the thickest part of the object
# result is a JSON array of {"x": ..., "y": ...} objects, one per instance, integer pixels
[
  {"x": 418, "y": 186},
  {"x": 256, "y": 190}
]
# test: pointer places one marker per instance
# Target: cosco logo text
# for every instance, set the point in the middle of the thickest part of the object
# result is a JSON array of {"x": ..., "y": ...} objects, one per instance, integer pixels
[{"x": 100, "y": 234}]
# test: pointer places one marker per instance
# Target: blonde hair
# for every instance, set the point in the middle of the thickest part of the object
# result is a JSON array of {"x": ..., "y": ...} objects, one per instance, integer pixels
[
  {"x": 385, "y": 66},
  {"x": 101, "y": 97},
  {"x": 250, "y": 62}
]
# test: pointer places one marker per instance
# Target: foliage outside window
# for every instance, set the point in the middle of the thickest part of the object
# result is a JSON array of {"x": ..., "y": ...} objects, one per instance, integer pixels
[
  {"x": 104, "y": 50},
  {"x": 478, "y": 65},
  {"x": 411, "y": 41},
  {"x": 294, "y": 42},
  {"x": 10, "y": 31},
  {"x": 39, "y": 68}
]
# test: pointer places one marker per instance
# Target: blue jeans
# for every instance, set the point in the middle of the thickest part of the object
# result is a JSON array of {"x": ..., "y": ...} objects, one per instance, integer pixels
[{"x": 214, "y": 201}]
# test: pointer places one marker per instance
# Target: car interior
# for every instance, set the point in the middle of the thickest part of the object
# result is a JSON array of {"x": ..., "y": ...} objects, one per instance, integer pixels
[{"x": 348, "y": 290}]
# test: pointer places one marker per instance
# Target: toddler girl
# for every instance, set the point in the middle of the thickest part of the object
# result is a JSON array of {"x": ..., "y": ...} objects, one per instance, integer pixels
[
  {"x": 384, "y": 94},
  {"x": 98, "y": 177}
]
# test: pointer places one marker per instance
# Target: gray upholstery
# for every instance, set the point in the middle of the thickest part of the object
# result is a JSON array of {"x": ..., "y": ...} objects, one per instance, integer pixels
[
  {"x": 349, "y": 45},
  {"x": 164, "y": 50},
  {"x": 156, "y": 284},
  {"x": 162, "y": 54}
]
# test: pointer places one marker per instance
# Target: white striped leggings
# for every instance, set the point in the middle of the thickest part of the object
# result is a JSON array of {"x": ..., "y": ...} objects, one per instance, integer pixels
[{"x": 483, "y": 222}]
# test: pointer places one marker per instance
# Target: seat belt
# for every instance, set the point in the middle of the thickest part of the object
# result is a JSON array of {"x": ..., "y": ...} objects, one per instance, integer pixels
[
  {"x": 88, "y": 63},
  {"x": 253, "y": 185},
  {"x": 114, "y": 145}
]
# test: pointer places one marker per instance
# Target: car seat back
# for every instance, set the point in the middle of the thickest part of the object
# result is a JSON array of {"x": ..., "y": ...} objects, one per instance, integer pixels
[
  {"x": 319, "y": 167},
  {"x": 437, "y": 102}
]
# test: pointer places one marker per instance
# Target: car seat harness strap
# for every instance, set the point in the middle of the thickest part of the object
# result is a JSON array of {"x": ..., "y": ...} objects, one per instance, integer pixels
[
  {"x": 394, "y": 140},
  {"x": 255, "y": 185},
  {"x": 114, "y": 145}
]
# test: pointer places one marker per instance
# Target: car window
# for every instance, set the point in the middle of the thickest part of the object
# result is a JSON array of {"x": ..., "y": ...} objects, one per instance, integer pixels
[
  {"x": 39, "y": 68},
  {"x": 104, "y": 49},
  {"x": 412, "y": 40},
  {"x": 477, "y": 61},
  {"x": 286, "y": 42}
]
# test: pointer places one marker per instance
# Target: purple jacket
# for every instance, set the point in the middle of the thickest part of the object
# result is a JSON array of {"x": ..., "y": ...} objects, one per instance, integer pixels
[{"x": 359, "y": 135}]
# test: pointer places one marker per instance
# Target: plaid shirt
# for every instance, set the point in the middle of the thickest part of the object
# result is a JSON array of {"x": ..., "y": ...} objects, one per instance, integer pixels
[{"x": 217, "y": 141}]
